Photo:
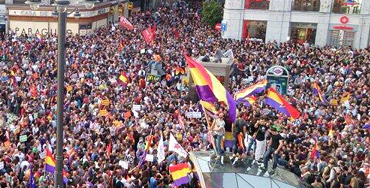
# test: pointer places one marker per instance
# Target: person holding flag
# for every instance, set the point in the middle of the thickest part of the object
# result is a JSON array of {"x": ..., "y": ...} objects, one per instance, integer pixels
[{"x": 218, "y": 131}]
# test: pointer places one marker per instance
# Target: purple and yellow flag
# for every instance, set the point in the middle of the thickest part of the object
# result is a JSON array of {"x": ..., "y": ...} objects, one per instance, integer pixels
[
  {"x": 208, "y": 87},
  {"x": 50, "y": 165},
  {"x": 317, "y": 91},
  {"x": 229, "y": 140},
  {"x": 254, "y": 89},
  {"x": 180, "y": 173},
  {"x": 275, "y": 100},
  {"x": 249, "y": 101},
  {"x": 209, "y": 107}
]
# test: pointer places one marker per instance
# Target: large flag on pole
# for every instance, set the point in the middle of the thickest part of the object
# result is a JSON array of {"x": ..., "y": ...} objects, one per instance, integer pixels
[
  {"x": 126, "y": 24},
  {"x": 176, "y": 147},
  {"x": 208, "y": 87},
  {"x": 275, "y": 100},
  {"x": 254, "y": 89}
]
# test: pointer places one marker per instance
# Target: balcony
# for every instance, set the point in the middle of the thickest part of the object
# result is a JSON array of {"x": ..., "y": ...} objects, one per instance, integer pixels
[
  {"x": 306, "y": 5},
  {"x": 347, "y": 7},
  {"x": 257, "y": 4}
]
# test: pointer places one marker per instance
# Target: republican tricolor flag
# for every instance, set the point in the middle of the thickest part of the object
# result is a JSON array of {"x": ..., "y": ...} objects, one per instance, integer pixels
[
  {"x": 254, "y": 89},
  {"x": 275, "y": 100},
  {"x": 209, "y": 88},
  {"x": 179, "y": 174},
  {"x": 50, "y": 165}
]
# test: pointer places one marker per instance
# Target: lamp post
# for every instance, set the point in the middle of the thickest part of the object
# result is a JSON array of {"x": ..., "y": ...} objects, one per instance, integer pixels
[{"x": 61, "y": 7}]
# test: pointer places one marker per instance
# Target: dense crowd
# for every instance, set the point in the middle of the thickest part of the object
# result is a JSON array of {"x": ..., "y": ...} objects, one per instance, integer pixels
[{"x": 94, "y": 63}]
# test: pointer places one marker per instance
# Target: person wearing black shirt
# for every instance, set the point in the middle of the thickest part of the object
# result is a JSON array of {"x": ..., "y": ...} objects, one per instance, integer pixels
[
  {"x": 275, "y": 144},
  {"x": 260, "y": 136},
  {"x": 251, "y": 130},
  {"x": 239, "y": 127}
]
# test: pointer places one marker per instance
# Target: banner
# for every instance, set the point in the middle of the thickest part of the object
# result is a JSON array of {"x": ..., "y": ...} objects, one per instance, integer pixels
[
  {"x": 126, "y": 24},
  {"x": 153, "y": 78},
  {"x": 148, "y": 35},
  {"x": 193, "y": 115}
]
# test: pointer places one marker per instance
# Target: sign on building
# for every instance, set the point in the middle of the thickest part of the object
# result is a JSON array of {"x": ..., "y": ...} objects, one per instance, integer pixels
[{"x": 277, "y": 78}]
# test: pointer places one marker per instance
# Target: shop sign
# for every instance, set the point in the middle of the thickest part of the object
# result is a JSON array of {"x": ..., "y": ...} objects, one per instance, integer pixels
[
  {"x": 344, "y": 19},
  {"x": 343, "y": 27},
  {"x": 49, "y": 13},
  {"x": 41, "y": 31}
]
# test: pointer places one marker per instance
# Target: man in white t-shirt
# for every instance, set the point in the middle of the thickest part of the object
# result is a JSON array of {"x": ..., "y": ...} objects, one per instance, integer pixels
[{"x": 218, "y": 131}]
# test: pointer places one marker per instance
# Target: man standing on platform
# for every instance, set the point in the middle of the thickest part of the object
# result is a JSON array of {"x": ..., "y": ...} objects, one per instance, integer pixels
[
  {"x": 260, "y": 136},
  {"x": 218, "y": 131},
  {"x": 239, "y": 127},
  {"x": 275, "y": 145}
]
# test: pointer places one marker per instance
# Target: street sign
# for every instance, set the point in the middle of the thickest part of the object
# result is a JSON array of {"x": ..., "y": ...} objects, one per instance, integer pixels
[
  {"x": 130, "y": 5},
  {"x": 277, "y": 78},
  {"x": 218, "y": 26}
]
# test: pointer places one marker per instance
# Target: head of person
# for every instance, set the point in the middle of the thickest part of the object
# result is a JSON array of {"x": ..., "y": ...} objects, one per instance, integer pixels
[{"x": 274, "y": 131}]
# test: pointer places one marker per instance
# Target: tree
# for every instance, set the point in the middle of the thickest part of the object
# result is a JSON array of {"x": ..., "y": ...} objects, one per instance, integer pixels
[{"x": 212, "y": 12}]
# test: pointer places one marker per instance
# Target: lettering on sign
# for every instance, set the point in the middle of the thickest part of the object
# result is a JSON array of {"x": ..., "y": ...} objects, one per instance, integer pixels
[
  {"x": 49, "y": 13},
  {"x": 153, "y": 78},
  {"x": 343, "y": 27},
  {"x": 43, "y": 31}
]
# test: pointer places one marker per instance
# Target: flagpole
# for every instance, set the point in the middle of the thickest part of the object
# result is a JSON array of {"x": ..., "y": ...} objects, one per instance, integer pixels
[{"x": 209, "y": 129}]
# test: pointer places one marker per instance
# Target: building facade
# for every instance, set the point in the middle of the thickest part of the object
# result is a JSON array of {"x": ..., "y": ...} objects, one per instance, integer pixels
[
  {"x": 319, "y": 22},
  {"x": 23, "y": 20}
]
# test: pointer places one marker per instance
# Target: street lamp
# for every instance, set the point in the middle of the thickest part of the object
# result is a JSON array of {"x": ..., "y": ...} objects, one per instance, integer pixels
[{"x": 61, "y": 11}]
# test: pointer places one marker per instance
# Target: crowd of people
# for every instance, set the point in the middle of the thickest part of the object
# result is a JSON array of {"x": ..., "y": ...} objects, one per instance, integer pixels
[{"x": 99, "y": 115}]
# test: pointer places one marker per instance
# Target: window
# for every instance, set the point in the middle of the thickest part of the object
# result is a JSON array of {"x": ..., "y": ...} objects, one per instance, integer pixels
[
  {"x": 306, "y": 5},
  {"x": 255, "y": 29},
  {"x": 303, "y": 32},
  {"x": 86, "y": 26},
  {"x": 347, "y": 6},
  {"x": 257, "y": 4},
  {"x": 341, "y": 38},
  {"x": 19, "y": 1}
]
